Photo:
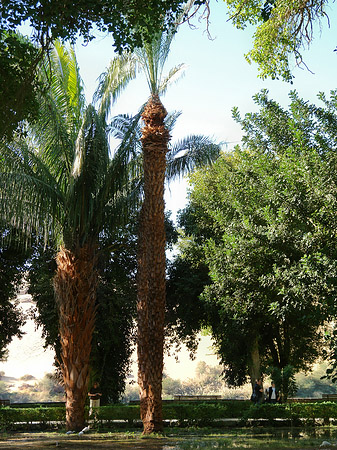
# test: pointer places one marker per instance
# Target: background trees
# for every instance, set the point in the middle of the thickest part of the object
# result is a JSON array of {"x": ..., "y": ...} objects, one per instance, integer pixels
[
  {"x": 130, "y": 23},
  {"x": 12, "y": 268},
  {"x": 19, "y": 86},
  {"x": 267, "y": 216}
]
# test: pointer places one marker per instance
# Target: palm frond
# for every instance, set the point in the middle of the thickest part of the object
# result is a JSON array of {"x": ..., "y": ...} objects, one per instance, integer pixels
[
  {"x": 88, "y": 174},
  {"x": 61, "y": 111},
  {"x": 30, "y": 198},
  {"x": 121, "y": 70},
  {"x": 127, "y": 129},
  {"x": 153, "y": 55},
  {"x": 121, "y": 192},
  {"x": 189, "y": 153},
  {"x": 175, "y": 74},
  {"x": 171, "y": 119}
]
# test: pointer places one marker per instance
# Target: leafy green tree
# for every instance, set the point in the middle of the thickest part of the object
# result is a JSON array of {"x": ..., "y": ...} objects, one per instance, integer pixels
[
  {"x": 282, "y": 29},
  {"x": 131, "y": 23},
  {"x": 268, "y": 216},
  {"x": 19, "y": 85},
  {"x": 185, "y": 314}
]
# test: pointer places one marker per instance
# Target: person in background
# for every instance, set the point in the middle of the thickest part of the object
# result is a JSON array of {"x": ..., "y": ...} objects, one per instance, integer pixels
[
  {"x": 258, "y": 391},
  {"x": 273, "y": 395},
  {"x": 95, "y": 397}
]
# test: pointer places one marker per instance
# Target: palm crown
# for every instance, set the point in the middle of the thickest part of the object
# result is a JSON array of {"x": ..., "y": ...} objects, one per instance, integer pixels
[{"x": 64, "y": 171}]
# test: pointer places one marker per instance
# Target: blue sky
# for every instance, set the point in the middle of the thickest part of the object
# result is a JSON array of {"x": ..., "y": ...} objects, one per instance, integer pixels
[{"x": 216, "y": 79}]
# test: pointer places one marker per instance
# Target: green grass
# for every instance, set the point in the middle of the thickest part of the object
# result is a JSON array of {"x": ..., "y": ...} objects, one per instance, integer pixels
[{"x": 176, "y": 439}]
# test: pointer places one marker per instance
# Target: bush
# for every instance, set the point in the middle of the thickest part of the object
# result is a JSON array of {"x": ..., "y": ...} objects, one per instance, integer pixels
[
  {"x": 118, "y": 412},
  {"x": 185, "y": 413},
  {"x": 14, "y": 418},
  {"x": 205, "y": 411},
  {"x": 309, "y": 412}
]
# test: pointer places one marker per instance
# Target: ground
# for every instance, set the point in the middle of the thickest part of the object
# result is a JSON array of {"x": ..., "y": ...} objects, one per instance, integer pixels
[{"x": 178, "y": 439}]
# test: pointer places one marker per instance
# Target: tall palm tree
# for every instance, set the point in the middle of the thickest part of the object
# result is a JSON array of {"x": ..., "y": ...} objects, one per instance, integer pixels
[
  {"x": 62, "y": 182},
  {"x": 161, "y": 162},
  {"x": 151, "y": 246}
]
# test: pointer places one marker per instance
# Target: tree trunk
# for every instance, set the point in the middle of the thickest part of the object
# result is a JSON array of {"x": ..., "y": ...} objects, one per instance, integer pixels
[
  {"x": 254, "y": 362},
  {"x": 75, "y": 285},
  {"x": 151, "y": 267}
]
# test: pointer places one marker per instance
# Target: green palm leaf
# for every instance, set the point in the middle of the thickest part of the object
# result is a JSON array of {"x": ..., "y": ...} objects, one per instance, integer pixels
[
  {"x": 190, "y": 153},
  {"x": 121, "y": 70}
]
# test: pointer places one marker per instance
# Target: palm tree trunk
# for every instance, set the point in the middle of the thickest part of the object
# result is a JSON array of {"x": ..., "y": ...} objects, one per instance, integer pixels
[
  {"x": 75, "y": 285},
  {"x": 151, "y": 267}
]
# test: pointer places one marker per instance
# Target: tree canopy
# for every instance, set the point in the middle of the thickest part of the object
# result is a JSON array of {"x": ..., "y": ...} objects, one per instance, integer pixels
[
  {"x": 130, "y": 22},
  {"x": 264, "y": 218},
  {"x": 283, "y": 29},
  {"x": 19, "y": 85}
]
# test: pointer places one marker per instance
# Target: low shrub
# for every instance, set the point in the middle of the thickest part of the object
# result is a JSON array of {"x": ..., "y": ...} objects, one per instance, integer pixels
[
  {"x": 14, "y": 418},
  {"x": 204, "y": 413},
  {"x": 113, "y": 413},
  {"x": 183, "y": 413}
]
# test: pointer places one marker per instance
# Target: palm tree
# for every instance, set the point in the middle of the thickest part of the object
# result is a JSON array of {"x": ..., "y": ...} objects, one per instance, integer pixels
[
  {"x": 161, "y": 162},
  {"x": 61, "y": 182},
  {"x": 151, "y": 284}
]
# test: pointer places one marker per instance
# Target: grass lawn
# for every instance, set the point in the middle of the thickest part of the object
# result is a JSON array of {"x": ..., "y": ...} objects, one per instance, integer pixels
[{"x": 176, "y": 439}]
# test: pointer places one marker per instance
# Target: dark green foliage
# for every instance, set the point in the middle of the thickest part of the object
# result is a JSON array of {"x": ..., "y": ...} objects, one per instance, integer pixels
[
  {"x": 129, "y": 22},
  {"x": 187, "y": 414},
  {"x": 264, "y": 219},
  {"x": 12, "y": 266},
  {"x": 112, "y": 340},
  {"x": 40, "y": 275},
  {"x": 204, "y": 413},
  {"x": 18, "y": 83},
  {"x": 185, "y": 313},
  {"x": 18, "y": 418}
]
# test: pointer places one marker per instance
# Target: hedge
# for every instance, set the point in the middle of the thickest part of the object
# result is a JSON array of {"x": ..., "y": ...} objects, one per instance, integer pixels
[
  {"x": 184, "y": 413},
  {"x": 14, "y": 418}
]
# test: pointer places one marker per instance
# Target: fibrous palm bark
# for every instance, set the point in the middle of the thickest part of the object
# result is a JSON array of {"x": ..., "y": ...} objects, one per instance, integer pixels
[
  {"x": 75, "y": 285},
  {"x": 151, "y": 267}
]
